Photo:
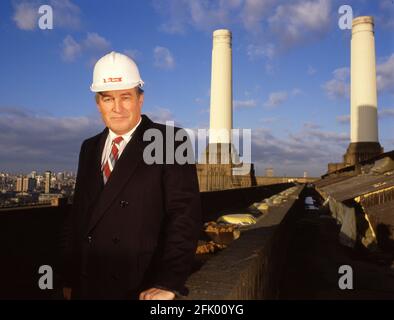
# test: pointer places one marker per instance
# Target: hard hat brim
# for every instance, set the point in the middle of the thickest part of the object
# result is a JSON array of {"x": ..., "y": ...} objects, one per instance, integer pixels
[{"x": 116, "y": 86}]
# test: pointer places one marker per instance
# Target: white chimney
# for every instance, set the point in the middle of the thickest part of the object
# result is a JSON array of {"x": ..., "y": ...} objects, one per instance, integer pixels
[
  {"x": 221, "y": 88},
  {"x": 363, "y": 100}
]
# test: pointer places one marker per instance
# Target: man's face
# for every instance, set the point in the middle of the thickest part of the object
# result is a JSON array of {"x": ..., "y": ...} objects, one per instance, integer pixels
[{"x": 120, "y": 109}]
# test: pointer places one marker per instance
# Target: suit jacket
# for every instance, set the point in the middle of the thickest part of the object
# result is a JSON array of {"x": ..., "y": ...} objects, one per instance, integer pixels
[{"x": 139, "y": 230}]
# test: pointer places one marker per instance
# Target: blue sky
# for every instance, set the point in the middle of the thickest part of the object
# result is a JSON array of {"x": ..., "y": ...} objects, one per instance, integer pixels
[{"x": 290, "y": 74}]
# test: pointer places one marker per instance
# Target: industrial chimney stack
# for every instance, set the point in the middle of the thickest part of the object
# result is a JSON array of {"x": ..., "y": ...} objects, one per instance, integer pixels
[
  {"x": 221, "y": 166},
  {"x": 221, "y": 88},
  {"x": 220, "y": 149},
  {"x": 364, "y": 140}
]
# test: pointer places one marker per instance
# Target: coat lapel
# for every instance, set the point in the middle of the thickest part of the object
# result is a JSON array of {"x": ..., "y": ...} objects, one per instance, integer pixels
[
  {"x": 94, "y": 176},
  {"x": 124, "y": 168}
]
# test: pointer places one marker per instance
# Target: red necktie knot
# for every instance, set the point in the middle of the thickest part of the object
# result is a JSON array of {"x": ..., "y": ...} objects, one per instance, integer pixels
[{"x": 118, "y": 140}]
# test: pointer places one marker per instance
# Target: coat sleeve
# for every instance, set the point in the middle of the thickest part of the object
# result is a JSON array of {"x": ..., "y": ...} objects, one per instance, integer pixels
[
  {"x": 67, "y": 234},
  {"x": 181, "y": 226}
]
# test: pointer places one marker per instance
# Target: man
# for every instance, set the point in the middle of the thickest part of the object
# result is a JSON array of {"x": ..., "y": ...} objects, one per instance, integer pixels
[{"x": 133, "y": 228}]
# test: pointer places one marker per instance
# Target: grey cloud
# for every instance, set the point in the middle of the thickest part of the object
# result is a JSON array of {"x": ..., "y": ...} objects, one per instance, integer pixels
[
  {"x": 338, "y": 87},
  {"x": 345, "y": 119},
  {"x": 163, "y": 58},
  {"x": 275, "y": 99},
  {"x": 309, "y": 149},
  {"x": 36, "y": 142},
  {"x": 385, "y": 74},
  {"x": 386, "y": 112},
  {"x": 93, "y": 43},
  {"x": 244, "y": 103},
  {"x": 162, "y": 115},
  {"x": 296, "y": 22}
]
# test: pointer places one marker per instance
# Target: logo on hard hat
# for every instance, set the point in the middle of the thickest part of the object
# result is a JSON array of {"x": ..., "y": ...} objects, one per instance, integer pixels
[{"x": 112, "y": 80}]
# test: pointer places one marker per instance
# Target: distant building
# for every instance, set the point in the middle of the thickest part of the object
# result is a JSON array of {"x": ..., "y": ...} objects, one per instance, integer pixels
[
  {"x": 48, "y": 197},
  {"x": 25, "y": 185},
  {"x": 47, "y": 177},
  {"x": 269, "y": 172},
  {"x": 60, "y": 176},
  {"x": 31, "y": 184},
  {"x": 19, "y": 184},
  {"x": 40, "y": 180},
  {"x": 305, "y": 174}
]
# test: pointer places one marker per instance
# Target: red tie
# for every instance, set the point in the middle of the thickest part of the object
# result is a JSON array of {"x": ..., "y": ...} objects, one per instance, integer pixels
[{"x": 110, "y": 163}]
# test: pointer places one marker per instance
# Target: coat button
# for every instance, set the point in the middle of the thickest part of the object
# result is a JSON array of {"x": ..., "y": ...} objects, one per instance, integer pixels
[
  {"x": 90, "y": 239},
  {"x": 115, "y": 240},
  {"x": 124, "y": 203}
]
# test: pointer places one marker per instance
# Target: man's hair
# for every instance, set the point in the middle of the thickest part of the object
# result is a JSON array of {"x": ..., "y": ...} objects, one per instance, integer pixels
[{"x": 98, "y": 94}]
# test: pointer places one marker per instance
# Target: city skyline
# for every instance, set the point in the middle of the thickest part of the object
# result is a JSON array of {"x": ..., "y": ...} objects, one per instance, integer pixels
[{"x": 291, "y": 75}]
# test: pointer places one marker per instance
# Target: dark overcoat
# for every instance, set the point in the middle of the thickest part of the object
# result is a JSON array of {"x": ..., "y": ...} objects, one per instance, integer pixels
[{"x": 138, "y": 231}]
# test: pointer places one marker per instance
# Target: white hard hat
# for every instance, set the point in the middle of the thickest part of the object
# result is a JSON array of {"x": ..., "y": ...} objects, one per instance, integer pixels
[{"x": 115, "y": 71}]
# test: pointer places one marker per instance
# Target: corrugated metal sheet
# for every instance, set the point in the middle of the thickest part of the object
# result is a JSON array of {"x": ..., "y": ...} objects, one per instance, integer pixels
[
  {"x": 358, "y": 185},
  {"x": 331, "y": 180},
  {"x": 382, "y": 219}
]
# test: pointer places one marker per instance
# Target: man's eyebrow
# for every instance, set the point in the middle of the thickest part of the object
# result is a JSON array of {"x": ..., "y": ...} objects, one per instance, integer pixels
[
  {"x": 126, "y": 94},
  {"x": 105, "y": 95}
]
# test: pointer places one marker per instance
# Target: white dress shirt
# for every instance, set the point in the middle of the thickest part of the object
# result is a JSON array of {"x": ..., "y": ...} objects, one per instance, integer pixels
[{"x": 108, "y": 143}]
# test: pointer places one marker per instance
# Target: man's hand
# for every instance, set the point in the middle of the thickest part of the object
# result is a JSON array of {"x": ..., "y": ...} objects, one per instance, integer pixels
[
  {"x": 67, "y": 293},
  {"x": 157, "y": 294}
]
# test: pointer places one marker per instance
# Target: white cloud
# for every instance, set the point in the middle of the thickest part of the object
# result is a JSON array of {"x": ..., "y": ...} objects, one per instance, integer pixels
[
  {"x": 296, "y": 92},
  {"x": 300, "y": 21},
  {"x": 65, "y": 14},
  {"x": 26, "y": 15},
  {"x": 253, "y": 13},
  {"x": 207, "y": 15},
  {"x": 267, "y": 121},
  {"x": 133, "y": 54},
  {"x": 96, "y": 42},
  {"x": 260, "y": 51},
  {"x": 276, "y": 98},
  {"x": 385, "y": 15},
  {"x": 269, "y": 68},
  {"x": 163, "y": 58},
  {"x": 345, "y": 119},
  {"x": 162, "y": 115},
  {"x": 311, "y": 70},
  {"x": 202, "y": 15},
  {"x": 244, "y": 103},
  {"x": 176, "y": 12},
  {"x": 93, "y": 43},
  {"x": 385, "y": 74},
  {"x": 204, "y": 111},
  {"x": 70, "y": 49},
  {"x": 338, "y": 87},
  {"x": 387, "y": 112},
  {"x": 311, "y": 126}
]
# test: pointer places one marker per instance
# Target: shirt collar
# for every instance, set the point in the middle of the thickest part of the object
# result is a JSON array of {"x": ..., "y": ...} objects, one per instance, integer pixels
[{"x": 126, "y": 136}]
